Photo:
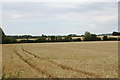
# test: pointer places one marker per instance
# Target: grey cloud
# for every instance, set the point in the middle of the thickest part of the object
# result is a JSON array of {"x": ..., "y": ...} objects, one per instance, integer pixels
[{"x": 80, "y": 15}]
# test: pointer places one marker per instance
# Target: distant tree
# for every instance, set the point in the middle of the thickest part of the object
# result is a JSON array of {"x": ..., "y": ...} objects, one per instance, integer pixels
[
  {"x": 87, "y": 36},
  {"x": 95, "y": 38},
  {"x": 105, "y": 38},
  {"x": 116, "y": 33},
  {"x": 113, "y": 39},
  {"x": 78, "y": 39},
  {"x": 91, "y": 37},
  {"x": 72, "y": 35},
  {"x": 41, "y": 39},
  {"x": 13, "y": 40},
  {"x": 2, "y": 35},
  {"x": 9, "y": 40},
  {"x": 82, "y": 35},
  {"x": 58, "y": 38},
  {"x": 44, "y": 35},
  {"x": 98, "y": 39},
  {"x": 6, "y": 39},
  {"x": 53, "y": 38},
  {"x": 27, "y": 36},
  {"x": 68, "y": 38}
]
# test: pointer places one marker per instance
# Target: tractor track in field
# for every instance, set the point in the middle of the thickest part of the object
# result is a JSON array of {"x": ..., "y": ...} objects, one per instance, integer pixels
[
  {"x": 63, "y": 66},
  {"x": 34, "y": 67}
]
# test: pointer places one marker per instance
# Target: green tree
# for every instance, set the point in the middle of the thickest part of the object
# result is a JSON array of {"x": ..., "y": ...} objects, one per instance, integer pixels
[
  {"x": 53, "y": 38},
  {"x": 44, "y": 35},
  {"x": 2, "y": 35},
  {"x": 59, "y": 38},
  {"x": 78, "y": 39},
  {"x": 91, "y": 37},
  {"x": 41, "y": 39},
  {"x": 68, "y": 38},
  {"x": 105, "y": 38},
  {"x": 9, "y": 40},
  {"x": 87, "y": 36}
]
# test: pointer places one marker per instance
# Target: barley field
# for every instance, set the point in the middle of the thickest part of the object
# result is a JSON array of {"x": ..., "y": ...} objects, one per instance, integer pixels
[{"x": 61, "y": 60}]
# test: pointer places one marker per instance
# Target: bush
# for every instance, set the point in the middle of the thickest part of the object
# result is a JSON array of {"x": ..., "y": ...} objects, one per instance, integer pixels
[
  {"x": 113, "y": 39},
  {"x": 78, "y": 39},
  {"x": 41, "y": 39},
  {"x": 115, "y": 33},
  {"x": 9, "y": 40},
  {"x": 91, "y": 37},
  {"x": 98, "y": 39},
  {"x": 68, "y": 38},
  {"x": 105, "y": 38}
]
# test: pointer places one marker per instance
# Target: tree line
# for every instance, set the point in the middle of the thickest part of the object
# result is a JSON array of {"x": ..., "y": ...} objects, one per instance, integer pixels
[
  {"x": 4, "y": 39},
  {"x": 40, "y": 39}
]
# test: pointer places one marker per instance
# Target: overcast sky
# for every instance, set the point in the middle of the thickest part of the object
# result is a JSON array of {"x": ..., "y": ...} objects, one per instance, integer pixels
[{"x": 60, "y": 18}]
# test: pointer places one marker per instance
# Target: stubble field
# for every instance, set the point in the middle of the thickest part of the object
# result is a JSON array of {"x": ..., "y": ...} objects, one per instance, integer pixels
[{"x": 61, "y": 60}]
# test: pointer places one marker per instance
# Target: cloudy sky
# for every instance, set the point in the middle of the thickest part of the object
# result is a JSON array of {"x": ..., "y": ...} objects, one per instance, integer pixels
[{"x": 62, "y": 18}]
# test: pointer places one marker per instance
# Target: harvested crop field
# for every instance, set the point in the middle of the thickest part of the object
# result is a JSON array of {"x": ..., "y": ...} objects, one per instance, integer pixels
[{"x": 61, "y": 60}]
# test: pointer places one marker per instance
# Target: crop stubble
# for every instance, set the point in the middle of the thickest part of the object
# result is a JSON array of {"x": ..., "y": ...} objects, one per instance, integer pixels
[{"x": 51, "y": 67}]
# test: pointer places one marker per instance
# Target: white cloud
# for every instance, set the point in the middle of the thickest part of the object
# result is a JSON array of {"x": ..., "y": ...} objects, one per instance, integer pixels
[
  {"x": 92, "y": 25},
  {"x": 9, "y": 16},
  {"x": 16, "y": 16},
  {"x": 60, "y": 0},
  {"x": 60, "y": 11},
  {"x": 62, "y": 5},
  {"x": 91, "y": 16},
  {"x": 105, "y": 18}
]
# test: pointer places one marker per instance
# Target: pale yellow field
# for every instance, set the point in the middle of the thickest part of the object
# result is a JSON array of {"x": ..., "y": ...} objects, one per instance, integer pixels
[{"x": 61, "y": 60}]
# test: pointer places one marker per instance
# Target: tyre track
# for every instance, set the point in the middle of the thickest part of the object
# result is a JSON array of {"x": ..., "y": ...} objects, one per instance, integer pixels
[
  {"x": 31, "y": 65},
  {"x": 63, "y": 66}
]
